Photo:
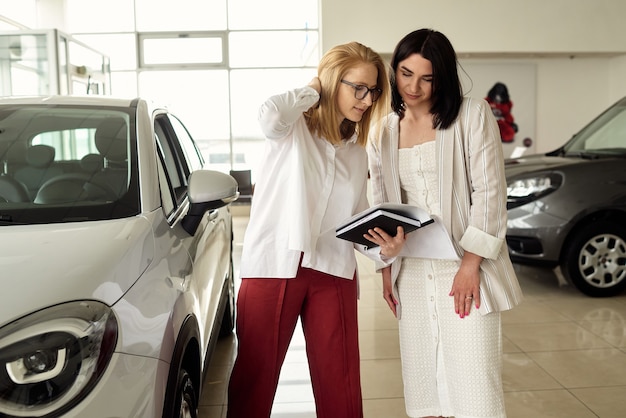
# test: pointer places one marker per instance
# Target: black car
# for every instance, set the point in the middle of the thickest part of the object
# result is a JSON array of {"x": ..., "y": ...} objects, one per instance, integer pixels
[{"x": 568, "y": 207}]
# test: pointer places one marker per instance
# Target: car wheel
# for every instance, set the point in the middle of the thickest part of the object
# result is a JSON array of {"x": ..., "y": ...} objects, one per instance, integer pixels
[
  {"x": 228, "y": 320},
  {"x": 186, "y": 400},
  {"x": 595, "y": 259}
]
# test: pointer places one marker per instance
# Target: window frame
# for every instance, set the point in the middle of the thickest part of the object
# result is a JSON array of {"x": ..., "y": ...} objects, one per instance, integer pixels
[{"x": 143, "y": 36}]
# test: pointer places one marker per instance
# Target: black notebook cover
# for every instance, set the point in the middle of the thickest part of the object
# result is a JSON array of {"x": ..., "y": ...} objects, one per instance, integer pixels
[{"x": 383, "y": 216}]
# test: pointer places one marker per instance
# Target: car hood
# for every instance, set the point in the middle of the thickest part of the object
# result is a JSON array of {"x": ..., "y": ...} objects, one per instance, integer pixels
[
  {"x": 538, "y": 162},
  {"x": 42, "y": 265}
]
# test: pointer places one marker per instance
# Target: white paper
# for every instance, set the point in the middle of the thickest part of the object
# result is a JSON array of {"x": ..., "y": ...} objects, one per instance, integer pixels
[{"x": 431, "y": 241}]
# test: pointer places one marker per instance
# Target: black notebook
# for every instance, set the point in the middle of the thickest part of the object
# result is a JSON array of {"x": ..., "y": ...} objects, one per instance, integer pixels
[{"x": 387, "y": 216}]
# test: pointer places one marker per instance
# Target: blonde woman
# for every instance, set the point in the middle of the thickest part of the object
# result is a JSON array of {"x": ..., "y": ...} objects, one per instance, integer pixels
[{"x": 314, "y": 176}]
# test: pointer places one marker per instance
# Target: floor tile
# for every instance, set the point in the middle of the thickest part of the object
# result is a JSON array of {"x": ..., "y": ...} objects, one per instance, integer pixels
[
  {"x": 605, "y": 402},
  {"x": 584, "y": 368},
  {"x": 545, "y": 404},
  {"x": 521, "y": 373},
  {"x": 384, "y": 408},
  {"x": 552, "y": 336},
  {"x": 381, "y": 378},
  {"x": 612, "y": 331}
]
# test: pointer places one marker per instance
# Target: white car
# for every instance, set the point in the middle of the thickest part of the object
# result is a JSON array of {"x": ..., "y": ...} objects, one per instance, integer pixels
[{"x": 115, "y": 260}]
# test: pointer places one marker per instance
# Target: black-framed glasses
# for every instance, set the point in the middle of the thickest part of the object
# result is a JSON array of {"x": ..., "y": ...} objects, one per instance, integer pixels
[{"x": 360, "y": 91}]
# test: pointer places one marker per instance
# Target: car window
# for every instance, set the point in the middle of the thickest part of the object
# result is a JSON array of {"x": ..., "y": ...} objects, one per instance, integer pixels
[
  {"x": 69, "y": 144},
  {"x": 605, "y": 134},
  {"x": 173, "y": 179},
  {"x": 610, "y": 135},
  {"x": 167, "y": 194},
  {"x": 189, "y": 148},
  {"x": 65, "y": 163}
]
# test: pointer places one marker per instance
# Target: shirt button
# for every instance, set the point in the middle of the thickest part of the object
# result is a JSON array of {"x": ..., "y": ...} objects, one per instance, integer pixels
[
  {"x": 430, "y": 277},
  {"x": 432, "y": 298}
]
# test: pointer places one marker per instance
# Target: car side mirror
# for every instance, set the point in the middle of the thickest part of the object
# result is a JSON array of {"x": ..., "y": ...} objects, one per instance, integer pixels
[{"x": 208, "y": 190}]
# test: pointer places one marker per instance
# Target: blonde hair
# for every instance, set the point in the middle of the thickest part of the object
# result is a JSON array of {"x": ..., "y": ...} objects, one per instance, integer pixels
[{"x": 321, "y": 119}]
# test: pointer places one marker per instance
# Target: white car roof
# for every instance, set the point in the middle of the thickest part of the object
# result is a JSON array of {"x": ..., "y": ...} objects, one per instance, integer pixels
[{"x": 68, "y": 100}]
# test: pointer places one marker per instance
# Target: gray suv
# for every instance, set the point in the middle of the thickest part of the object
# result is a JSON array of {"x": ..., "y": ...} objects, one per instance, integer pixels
[{"x": 568, "y": 207}]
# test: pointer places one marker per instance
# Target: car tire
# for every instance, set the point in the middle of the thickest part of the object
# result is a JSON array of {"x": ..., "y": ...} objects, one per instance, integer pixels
[
  {"x": 186, "y": 400},
  {"x": 595, "y": 259}
]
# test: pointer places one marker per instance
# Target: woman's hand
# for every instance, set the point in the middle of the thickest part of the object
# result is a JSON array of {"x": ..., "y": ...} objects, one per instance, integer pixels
[
  {"x": 316, "y": 84},
  {"x": 388, "y": 290},
  {"x": 466, "y": 285},
  {"x": 389, "y": 246}
]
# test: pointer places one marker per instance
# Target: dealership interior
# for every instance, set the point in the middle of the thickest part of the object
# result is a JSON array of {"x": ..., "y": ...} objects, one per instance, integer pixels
[{"x": 564, "y": 353}]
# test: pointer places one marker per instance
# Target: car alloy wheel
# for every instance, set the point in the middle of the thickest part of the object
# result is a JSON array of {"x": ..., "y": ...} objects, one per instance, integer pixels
[
  {"x": 188, "y": 407},
  {"x": 595, "y": 259}
]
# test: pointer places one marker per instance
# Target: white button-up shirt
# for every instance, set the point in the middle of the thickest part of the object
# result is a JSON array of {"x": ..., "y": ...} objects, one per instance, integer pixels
[{"x": 304, "y": 189}]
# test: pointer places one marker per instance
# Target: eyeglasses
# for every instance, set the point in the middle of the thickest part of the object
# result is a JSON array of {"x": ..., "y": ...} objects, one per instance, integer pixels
[{"x": 360, "y": 91}]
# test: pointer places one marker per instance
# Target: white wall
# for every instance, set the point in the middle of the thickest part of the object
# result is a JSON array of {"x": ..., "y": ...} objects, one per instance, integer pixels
[
  {"x": 540, "y": 33},
  {"x": 481, "y": 25}
]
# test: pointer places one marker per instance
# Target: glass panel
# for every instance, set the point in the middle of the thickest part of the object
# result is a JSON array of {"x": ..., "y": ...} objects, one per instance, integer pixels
[
  {"x": 198, "y": 98},
  {"x": 604, "y": 135},
  {"x": 250, "y": 88},
  {"x": 166, "y": 194},
  {"x": 120, "y": 48},
  {"x": 88, "y": 70},
  {"x": 172, "y": 169},
  {"x": 81, "y": 56},
  {"x": 273, "y": 49},
  {"x": 186, "y": 142},
  {"x": 82, "y": 162},
  {"x": 93, "y": 16},
  {"x": 217, "y": 154},
  {"x": 69, "y": 144},
  {"x": 64, "y": 87},
  {"x": 28, "y": 69},
  {"x": 184, "y": 50},
  {"x": 166, "y": 15},
  {"x": 253, "y": 151},
  {"x": 300, "y": 14},
  {"x": 25, "y": 82}
]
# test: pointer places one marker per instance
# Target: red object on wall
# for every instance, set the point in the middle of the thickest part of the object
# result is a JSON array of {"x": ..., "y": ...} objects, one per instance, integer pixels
[{"x": 501, "y": 105}]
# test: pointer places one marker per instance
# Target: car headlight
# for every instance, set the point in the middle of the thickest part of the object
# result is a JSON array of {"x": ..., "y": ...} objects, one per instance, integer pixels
[
  {"x": 51, "y": 359},
  {"x": 525, "y": 190}
]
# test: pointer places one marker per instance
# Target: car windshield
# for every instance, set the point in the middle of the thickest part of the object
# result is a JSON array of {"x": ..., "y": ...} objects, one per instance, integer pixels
[
  {"x": 66, "y": 163},
  {"x": 605, "y": 135}
]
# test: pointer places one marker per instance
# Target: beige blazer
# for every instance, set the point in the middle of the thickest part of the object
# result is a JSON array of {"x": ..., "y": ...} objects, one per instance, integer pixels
[{"x": 472, "y": 194}]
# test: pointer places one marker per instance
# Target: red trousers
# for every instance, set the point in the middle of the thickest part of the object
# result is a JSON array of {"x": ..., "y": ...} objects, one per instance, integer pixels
[{"x": 268, "y": 310}]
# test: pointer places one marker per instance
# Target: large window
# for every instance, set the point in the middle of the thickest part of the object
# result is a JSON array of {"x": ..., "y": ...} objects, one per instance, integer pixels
[{"x": 211, "y": 62}]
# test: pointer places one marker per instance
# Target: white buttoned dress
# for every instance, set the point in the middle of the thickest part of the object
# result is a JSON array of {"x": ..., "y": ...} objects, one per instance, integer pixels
[{"x": 451, "y": 366}]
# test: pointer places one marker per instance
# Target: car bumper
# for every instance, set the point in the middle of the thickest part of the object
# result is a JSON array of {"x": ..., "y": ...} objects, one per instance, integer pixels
[
  {"x": 534, "y": 236},
  {"x": 132, "y": 386}
]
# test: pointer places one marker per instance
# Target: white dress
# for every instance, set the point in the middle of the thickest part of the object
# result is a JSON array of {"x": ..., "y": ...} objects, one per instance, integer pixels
[{"x": 451, "y": 366}]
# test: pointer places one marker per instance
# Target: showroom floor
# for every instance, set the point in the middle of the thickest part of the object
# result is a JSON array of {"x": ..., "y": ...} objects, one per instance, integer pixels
[{"x": 564, "y": 354}]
